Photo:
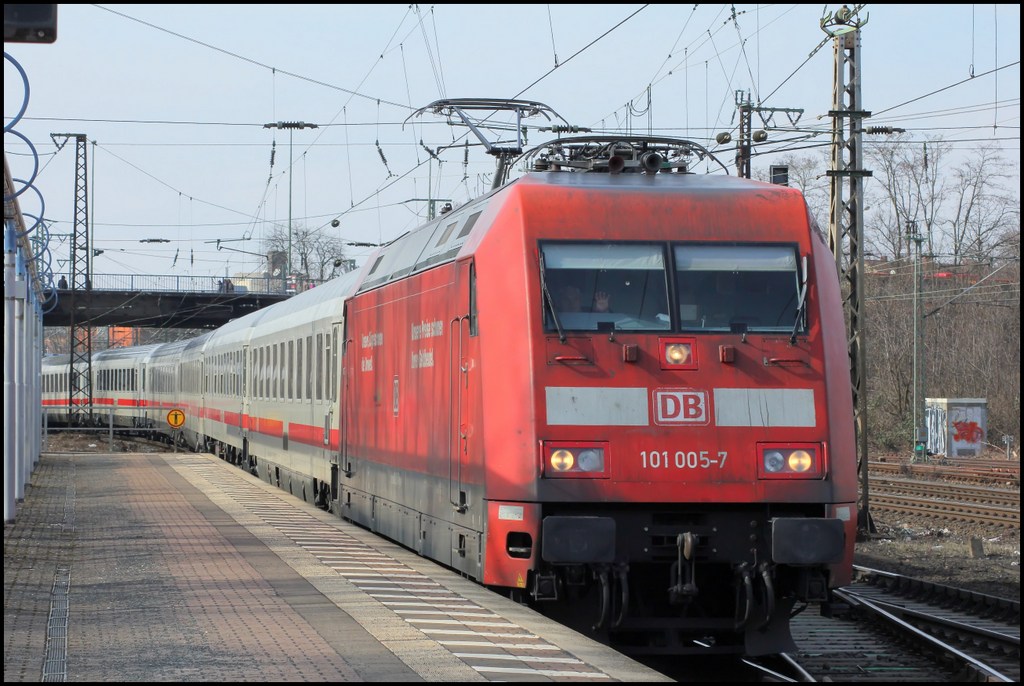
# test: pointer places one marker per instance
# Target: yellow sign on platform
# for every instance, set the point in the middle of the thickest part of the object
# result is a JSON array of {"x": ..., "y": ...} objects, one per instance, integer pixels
[{"x": 176, "y": 418}]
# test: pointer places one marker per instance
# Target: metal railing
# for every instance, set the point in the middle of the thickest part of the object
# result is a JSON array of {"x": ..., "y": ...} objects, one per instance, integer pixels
[{"x": 197, "y": 284}]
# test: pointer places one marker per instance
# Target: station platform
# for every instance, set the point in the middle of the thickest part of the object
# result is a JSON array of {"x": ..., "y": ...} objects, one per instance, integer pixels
[{"x": 181, "y": 567}]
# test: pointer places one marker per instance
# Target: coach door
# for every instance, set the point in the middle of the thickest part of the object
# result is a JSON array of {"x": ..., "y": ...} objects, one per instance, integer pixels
[
  {"x": 462, "y": 380},
  {"x": 333, "y": 380},
  {"x": 243, "y": 411}
]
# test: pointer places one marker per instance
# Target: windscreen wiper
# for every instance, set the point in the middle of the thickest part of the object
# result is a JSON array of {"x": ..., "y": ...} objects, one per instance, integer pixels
[
  {"x": 801, "y": 302},
  {"x": 550, "y": 301}
]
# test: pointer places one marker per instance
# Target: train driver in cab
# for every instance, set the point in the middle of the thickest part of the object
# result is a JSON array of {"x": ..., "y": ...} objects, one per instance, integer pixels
[{"x": 571, "y": 300}]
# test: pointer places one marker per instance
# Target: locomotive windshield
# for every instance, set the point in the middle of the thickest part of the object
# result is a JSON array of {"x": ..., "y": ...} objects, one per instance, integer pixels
[
  {"x": 737, "y": 287},
  {"x": 609, "y": 286},
  {"x": 625, "y": 287}
]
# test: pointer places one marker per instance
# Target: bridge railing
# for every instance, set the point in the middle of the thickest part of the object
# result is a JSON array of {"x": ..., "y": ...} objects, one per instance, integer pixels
[{"x": 196, "y": 284}]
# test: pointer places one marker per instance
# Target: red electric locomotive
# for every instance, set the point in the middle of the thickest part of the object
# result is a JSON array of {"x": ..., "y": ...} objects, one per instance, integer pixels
[
  {"x": 613, "y": 389},
  {"x": 616, "y": 389}
]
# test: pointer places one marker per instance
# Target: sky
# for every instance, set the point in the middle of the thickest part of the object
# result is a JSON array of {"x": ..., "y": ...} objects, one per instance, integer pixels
[{"x": 174, "y": 99}]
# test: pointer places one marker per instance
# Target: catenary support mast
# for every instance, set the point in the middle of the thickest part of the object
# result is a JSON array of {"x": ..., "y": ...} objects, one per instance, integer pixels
[{"x": 846, "y": 217}]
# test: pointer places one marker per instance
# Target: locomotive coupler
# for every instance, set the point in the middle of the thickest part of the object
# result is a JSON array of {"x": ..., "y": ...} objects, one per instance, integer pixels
[{"x": 683, "y": 588}]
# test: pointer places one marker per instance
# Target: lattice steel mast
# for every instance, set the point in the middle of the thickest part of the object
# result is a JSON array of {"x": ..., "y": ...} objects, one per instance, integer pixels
[
  {"x": 80, "y": 333},
  {"x": 846, "y": 217}
]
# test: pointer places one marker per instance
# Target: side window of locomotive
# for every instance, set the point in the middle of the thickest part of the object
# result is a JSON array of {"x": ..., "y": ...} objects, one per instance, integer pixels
[
  {"x": 473, "y": 321},
  {"x": 606, "y": 286},
  {"x": 737, "y": 288}
]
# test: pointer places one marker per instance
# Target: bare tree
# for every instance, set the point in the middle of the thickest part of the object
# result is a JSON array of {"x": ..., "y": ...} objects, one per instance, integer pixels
[
  {"x": 968, "y": 219},
  {"x": 982, "y": 208},
  {"x": 907, "y": 197},
  {"x": 807, "y": 173},
  {"x": 890, "y": 332},
  {"x": 315, "y": 255}
]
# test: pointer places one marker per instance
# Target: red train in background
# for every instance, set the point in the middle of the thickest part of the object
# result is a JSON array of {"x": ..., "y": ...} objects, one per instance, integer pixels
[{"x": 613, "y": 389}]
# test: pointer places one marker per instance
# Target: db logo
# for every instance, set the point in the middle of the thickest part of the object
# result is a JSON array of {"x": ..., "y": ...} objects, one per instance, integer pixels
[{"x": 681, "y": 406}]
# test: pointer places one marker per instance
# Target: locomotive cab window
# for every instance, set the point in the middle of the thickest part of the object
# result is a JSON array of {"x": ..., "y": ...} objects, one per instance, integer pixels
[
  {"x": 604, "y": 287},
  {"x": 739, "y": 288}
]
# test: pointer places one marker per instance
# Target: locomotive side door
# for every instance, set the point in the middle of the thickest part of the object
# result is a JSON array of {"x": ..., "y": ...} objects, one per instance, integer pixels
[
  {"x": 465, "y": 477},
  {"x": 463, "y": 380}
]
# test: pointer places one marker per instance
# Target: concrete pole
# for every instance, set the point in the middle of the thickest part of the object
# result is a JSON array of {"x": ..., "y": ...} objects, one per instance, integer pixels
[
  {"x": 10, "y": 399},
  {"x": 37, "y": 376},
  {"x": 20, "y": 457}
]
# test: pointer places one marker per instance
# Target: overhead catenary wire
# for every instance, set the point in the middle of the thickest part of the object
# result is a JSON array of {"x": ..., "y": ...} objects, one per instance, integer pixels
[{"x": 382, "y": 147}]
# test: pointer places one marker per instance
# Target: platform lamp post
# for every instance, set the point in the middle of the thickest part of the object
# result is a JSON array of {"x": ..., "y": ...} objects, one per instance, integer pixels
[{"x": 291, "y": 126}]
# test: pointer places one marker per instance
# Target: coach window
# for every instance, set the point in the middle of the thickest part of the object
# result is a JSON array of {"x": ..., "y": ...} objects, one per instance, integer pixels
[
  {"x": 278, "y": 364},
  {"x": 298, "y": 370},
  {"x": 309, "y": 367},
  {"x": 334, "y": 366},
  {"x": 270, "y": 390},
  {"x": 605, "y": 286},
  {"x": 738, "y": 288},
  {"x": 272, "y": 370},
  {"x": 262, "y": 373},
  {"x": 319, "y": 367},
  {"x": 290, "y": 370},
  {"x": 326, "y": 367},
  {"x": 282, "y": 371}
]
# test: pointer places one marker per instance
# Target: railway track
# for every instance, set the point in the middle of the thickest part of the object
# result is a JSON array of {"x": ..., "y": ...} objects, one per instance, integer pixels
[
  {"x": 946, "y": 509},
  {"x": 899, "y": 629},
  {"x": 946, "y": 501},
  {"x": 987, "y": 495},
  {"x": 988, "y": 473}
]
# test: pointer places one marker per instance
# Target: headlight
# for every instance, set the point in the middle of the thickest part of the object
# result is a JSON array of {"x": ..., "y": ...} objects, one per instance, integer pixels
[
  {"x": 562, "y": 460},
  {"x": 678, "y": 353},
  {"x": 773, "y": 461},
  {"x": 790, "y": 461},
  {"x": 577, "y": 459}
]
